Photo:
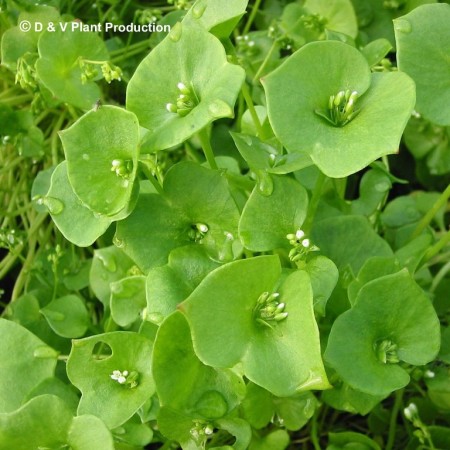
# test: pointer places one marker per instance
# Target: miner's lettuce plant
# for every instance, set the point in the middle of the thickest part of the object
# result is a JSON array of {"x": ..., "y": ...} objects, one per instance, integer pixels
[{"x": 235, "y": 258}]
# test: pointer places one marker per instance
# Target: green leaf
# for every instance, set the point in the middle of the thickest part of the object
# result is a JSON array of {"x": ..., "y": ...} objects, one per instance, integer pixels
[
  {"x": 276, "y": 440},
  {"x": 180, "y": 58},
  {"x": 298, "y": 93},
  {"x": 76, "y": 222},
  {"x": 47, "y": 422},
  {"x": 183, "y": 382},
  {"x": 216, "y": 16},
  {"x": 376, "y": 50},
  {"x": 58, "y": 66},
  {"x": 262, "y": 156},
  {"x": 221, "y": 309},
  {"x": 324, "y": 276},
  {"x": 423, "y": 43},
  {"x": 350, "y": 439},
  {"x": 169, "y": 285},
  {"x": 128, "y": 300},
  {"x": 349, "y": 240},
  {"x": 16, "y": 43},
  {"x": 392, "y": 310},
  {"x": 31, "y": 363},
  {"x": 90, "y": 370},
  {"x": 193, "y": 195},
  {"x": 108, "y": 265},
  {"x": 266, "y": 220},
  {"x": 94, "y": 146},
  {"x": 67, "y": 316}
]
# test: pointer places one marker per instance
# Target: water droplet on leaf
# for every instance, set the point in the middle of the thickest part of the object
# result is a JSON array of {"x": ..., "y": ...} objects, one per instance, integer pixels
[
  {"x": 198, "y": 9},
  {"x": 86, "y": 157},
  {"x": 109, "y": 262},
  {"x": 54, "y": 205},
  {"x": 264, "y": 183},
  {"x": 175, "y": 33},
  {"x": 403, "y": 26},
  {"x": 220, "y": 109}
]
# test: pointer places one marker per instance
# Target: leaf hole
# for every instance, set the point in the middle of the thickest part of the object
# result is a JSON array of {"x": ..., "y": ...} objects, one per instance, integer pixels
[{"x": 101, "y": 351}]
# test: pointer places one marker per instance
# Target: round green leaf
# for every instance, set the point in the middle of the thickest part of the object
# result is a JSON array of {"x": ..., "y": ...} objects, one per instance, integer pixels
[
  {"x": 392, "y": 308},
  {"x": 266, "y": 220},
  {"x": 67, "y": 316},
  {"x": 301, "y": 88},
  {"x": 93, "y": 146},
  {"x": 221, "y": 309},
  {"x": 183, "y": 382},
  {"x": 76, "y": 222},
  {"x": 423, "y": 45},
  {"x": 90, "y": 370},
  {"x": 25, "y": 361},
  {"x": 193, "y": 195},
  {"x": 192, "y": 56},
  {"x": 58, "y": 66}
]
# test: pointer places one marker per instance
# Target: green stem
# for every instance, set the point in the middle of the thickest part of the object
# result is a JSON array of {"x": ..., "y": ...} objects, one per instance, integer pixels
[
  {"x": 251, "y": 17},
  {"x": 207, "y": 149},
  {"x": 18, "y": 100},
  {"x": 149, "y": 175},
  {"x": 393, "y": 421},
  {"x": 251, "y": 108},
  {"x": 428, "y": 217},
  {"x": 140, "y": 44},
  {"x": 440, "y": 276},
  {"x": 443, "y": 241},
  {"x": 314, "y": 202},
  {"x": 314, "y": 432},
  {"x": 266, "y": 60}
]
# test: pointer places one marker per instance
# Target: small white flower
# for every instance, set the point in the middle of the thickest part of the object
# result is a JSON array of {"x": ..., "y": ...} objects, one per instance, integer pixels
[
  {"x": 120, "y": 377},
  {"x": 299, "y": 234},
  {"x": 305, "y": 243},
  {"x": 410, "y": 411},
  {"x": 181, "y": 86},
  {"x": 429, "y": 374}
]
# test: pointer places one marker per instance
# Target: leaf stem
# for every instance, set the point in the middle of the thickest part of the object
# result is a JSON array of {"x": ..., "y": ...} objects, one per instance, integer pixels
[
  {"x": 314, "y": 434},
  {"x": 149, "y": 175},
  {"x": 436, "y": 248},
  {"x": 393, "y": 421},
  {"x": 251, "y": 17},
  {"x": 251, "y": 108},
  {"x": 428, "y": 217},
  {"x": 314, "y": 202},
  {"x": 266, "y": 60},
  {"x": 207, "y": 149}
]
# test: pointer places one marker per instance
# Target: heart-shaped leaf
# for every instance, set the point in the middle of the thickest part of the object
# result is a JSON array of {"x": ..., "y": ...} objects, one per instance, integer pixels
[
  {"x": 114, "y": 384},
  {"x": 102, "y": 157},
  {"x": 392, "y": 321},
  {"x": 279, "y": 349},
  {"x": 176, "y": 93},
  {"x": 311, "y": 111}
]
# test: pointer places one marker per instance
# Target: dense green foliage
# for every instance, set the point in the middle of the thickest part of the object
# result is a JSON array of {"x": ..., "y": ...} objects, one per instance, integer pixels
[{"x": 232, "y": 234}]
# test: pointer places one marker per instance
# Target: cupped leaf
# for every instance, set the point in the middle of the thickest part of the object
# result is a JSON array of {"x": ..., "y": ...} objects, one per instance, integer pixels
[
  {"x": 350, "y": 439},
  {"x": 47, "y": 422},
  {"x": 111, "y": 396},
  {"x": 76, "y": 222},
  {"x": 183, "y": 382},
  {"x": 32, "y": 362},
  {"x": 59, "y": 69},
  {"x": 267, "y": 220},
  {"x": 423, "y": 43},
  {"x": 67, "y": 316},
  {"x": 392, "y": 320},
  {"x": 197, "y": 209},
  {"x": 299, "y": 93},
  {"x": 282, "y": 356},
  {"x": 127, "y": 300},
  {"x": 181, "y": 58},
  {"x": 102, "y": 157}
]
